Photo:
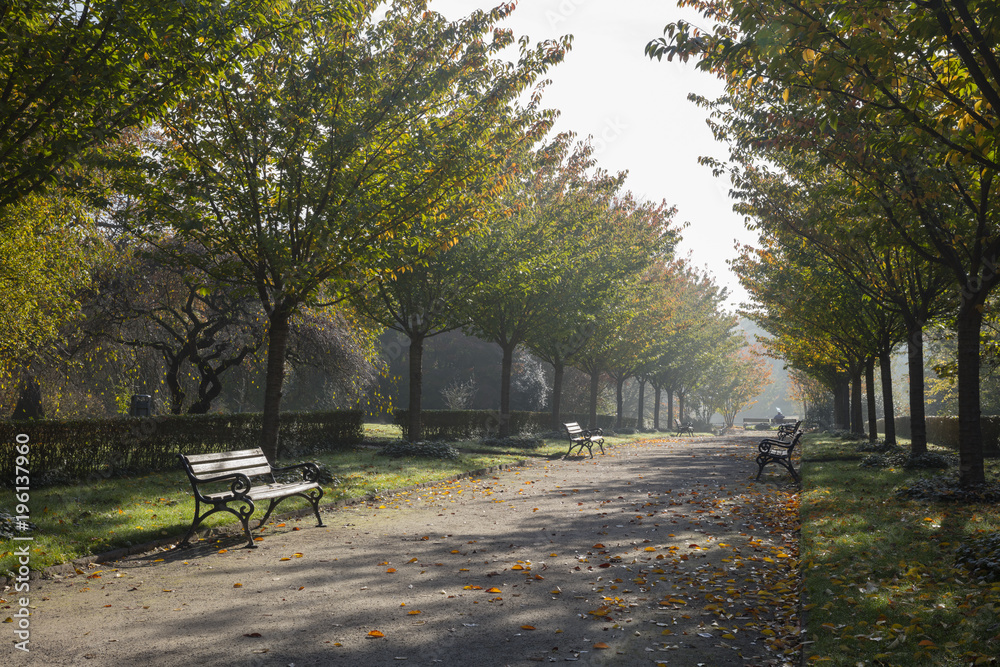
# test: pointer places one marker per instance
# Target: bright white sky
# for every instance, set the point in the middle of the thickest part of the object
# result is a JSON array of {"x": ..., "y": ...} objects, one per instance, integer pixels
[{"x": 637, "y": 111}]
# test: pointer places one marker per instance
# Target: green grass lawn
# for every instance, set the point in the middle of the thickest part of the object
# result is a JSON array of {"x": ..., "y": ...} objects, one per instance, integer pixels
[
  {"x": 78, "y": 520},
  {"x": 881, "y": 582}
]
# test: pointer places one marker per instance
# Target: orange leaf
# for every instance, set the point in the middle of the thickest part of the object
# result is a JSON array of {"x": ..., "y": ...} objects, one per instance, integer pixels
[
  {"x": 237, "y": 585},
  {"x": 601, "y": 645},
  {"x": 390, "y": 570},
  {"x": 527, "y": 627},
  {"x": 375, "y": 633},
  {"x": 221, "y": 551},
  {"x": 926, "y": 642},
  {"x": 598, "y": 546},
  {"x": 414, "y": 612},
  {"x": 494, "y": 590}
]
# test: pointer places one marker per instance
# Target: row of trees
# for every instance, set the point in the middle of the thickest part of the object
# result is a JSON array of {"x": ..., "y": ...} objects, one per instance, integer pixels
[
  {"x": 864, "y": 150},
  {"x": 212, "y": 183}
]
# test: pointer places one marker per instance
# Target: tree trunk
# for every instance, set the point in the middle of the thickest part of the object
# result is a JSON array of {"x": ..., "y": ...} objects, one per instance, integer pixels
[
  {"x": 842, "y": 403},
  {"x": 619, "y": 399},
  {"x": 670, "y": 408},
  {"x": 557, "y": 385},
  {"x": 857, "y": 423},
  {"x": 918, "y": 414},
  {"x": 657, "y": 393},
  {"x": 970, "y": 445},
  {"x": 640, "y": 421},
  {"x": 595, "y": 387},
  {"x": 888, "y": 404},
  {"x": 505, "y": 373},
  {"x": 870, "y": 394},
  {"x": 29, "y": 399},
  {"x": 680, "y": 407},
  {"x": 414, "y": 418},
  {"x": 277, "y": 343}
]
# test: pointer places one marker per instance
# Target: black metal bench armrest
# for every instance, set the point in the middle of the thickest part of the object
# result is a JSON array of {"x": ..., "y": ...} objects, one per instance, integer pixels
[
  {"x": 239, "y": 488},
  {"x": 592, "y": 432},
  {"x": 310, "y": 471}
]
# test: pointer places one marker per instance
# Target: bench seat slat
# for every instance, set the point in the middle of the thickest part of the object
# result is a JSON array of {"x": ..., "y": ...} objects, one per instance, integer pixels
[{"x": 224, "y": 456}]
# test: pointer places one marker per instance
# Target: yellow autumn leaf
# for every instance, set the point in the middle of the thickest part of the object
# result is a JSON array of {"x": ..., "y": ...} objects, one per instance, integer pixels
[
  {"x": 237, "y": 585},
  {"x": 494, "y": 589},
  {"x": 375, "y": 633},
  {"x": 527, "y": 627}
]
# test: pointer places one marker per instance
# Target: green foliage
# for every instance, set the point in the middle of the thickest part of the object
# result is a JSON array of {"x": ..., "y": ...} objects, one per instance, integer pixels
[
  {"x": 74, "y": 75},
  {"x": 92, "y": 449},
  {"x": 47, "y": 253}
]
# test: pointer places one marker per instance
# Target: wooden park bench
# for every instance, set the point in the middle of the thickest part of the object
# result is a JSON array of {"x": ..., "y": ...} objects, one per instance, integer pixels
[
  {"x": 580, "y": 438},
  {"x": 683, "y": 428},
  {"x": 787, "y": 430},
  {"x": 250, "y": 479},
  {"x": 771, "y": 450}
]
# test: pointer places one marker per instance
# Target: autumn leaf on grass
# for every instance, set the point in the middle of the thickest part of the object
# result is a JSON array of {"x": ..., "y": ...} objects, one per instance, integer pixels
[{"x": 375, "y": 633}]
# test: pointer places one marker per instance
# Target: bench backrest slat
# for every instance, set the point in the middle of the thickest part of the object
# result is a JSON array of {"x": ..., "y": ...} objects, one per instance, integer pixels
[
  {"x": 573, "y": 428},
  {"x": 250, "y": 462}
]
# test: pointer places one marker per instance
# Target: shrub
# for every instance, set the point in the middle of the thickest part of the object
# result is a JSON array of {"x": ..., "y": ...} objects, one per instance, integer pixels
[
  {"x": 981, "y": 557},
  {"x": 68, "y": 450},
  {"x": 513, "y": 443},
  {"x": 947, "y": 488}
]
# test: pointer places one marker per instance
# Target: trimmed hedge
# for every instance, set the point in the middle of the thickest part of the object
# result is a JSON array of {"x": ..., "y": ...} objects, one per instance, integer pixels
[
  {"x": 67, "y": 450},
  {"x": 468, "y": 424},
  {"x": 943, "y": 431}
]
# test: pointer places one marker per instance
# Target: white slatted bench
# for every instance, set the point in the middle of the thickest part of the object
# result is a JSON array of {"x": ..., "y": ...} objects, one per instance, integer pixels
[{"x": 234, "y": 481}]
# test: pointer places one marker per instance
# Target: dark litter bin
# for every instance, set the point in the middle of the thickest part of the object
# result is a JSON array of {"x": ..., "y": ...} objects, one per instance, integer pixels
[{"x": 142, "y": 405}]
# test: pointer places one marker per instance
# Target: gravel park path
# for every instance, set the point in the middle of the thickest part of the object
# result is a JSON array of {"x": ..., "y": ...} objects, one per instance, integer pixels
[{"x": 662, "y": 552}]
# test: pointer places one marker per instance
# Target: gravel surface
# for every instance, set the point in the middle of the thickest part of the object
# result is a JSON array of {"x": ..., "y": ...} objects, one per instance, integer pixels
[{"x": 663, "y": 552}]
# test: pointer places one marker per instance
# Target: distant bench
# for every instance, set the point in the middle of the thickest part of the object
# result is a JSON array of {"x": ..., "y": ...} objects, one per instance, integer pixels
[
  {"x": 237, "y": 469},
  {"x": 753, "y": 422},
  {"x": 580, "y": 438}
]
